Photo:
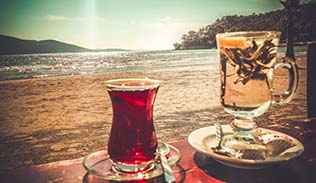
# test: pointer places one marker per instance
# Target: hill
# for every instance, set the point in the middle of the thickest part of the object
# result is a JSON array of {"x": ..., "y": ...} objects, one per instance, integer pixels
[
  {"x": 12, "y": 45},
  {"x": 304, "y": 27}
]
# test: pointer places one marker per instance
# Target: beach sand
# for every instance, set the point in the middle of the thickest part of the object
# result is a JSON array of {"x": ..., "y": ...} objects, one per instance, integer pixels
[{"x": 56, "y": 118}]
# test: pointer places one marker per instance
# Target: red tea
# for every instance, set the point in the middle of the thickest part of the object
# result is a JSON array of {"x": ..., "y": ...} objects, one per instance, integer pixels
[{"x": 133, "y": 139}]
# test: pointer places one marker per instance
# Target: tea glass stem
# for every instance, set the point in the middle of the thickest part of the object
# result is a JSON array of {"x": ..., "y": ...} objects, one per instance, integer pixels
[
  {"x": 240, "y": 124},
  {"x": 244, "y": 129}
]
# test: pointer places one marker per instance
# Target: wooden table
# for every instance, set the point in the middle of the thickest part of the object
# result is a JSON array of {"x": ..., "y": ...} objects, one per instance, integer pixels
[{"x": 194, "y": 167}]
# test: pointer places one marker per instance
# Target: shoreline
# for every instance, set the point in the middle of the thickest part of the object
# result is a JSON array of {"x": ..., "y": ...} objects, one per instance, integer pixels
[{"x": 56, "y": 118}]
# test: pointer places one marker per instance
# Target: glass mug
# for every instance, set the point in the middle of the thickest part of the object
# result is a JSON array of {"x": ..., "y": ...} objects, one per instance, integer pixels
[
  {"x": 132, "y": 143},
  {"x": 247, "y": 61}
]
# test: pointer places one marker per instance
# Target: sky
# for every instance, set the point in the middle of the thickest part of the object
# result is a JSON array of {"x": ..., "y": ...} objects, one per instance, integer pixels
[{"x": 128, "y": 24}]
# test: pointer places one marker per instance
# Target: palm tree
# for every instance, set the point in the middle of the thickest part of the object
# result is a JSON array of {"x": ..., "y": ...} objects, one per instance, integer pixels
[{"x": 291, "y": 6}]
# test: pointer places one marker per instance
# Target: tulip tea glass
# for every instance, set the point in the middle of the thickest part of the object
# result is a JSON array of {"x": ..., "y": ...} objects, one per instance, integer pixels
[
  {"x": 247, "y": 61},
  {"x": 132, "y": 143},
  {"x": 133, "y": 153}
]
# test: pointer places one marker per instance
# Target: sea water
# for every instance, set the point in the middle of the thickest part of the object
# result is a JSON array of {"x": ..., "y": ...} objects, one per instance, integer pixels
[{"x": 92, "y": 63}]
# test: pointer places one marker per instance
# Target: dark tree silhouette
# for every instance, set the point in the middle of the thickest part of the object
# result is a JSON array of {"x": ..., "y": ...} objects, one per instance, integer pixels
[
  {"x": 291, "y": 7},
  {"x": 301, "y": 30}
]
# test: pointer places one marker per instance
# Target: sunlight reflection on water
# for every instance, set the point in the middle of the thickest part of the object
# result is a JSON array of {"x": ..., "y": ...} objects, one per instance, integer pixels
[{"x": 59, "y": 64}]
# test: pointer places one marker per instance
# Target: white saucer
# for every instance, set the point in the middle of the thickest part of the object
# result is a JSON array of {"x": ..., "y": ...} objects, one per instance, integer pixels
[{"x": 204, "y": 138}]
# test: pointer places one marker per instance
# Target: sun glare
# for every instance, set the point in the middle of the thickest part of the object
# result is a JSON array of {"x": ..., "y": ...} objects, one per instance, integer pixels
[{"x": 91, "y": 30}]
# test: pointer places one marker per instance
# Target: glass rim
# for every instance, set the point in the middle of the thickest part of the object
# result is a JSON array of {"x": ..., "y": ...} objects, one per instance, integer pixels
[
  {"x": 248, "y": 34},
  {"x": 143, "y": 84}
]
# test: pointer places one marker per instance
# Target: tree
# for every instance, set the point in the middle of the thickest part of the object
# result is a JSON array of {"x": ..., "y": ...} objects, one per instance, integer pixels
[
  {"x": 303, "y": 27},
  {"x": 177, "y": 46},
  {"x": 291, "y": 6}
]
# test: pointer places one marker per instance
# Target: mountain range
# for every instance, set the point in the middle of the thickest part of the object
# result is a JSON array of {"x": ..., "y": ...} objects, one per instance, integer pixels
[{"x": 11, "y": 45}]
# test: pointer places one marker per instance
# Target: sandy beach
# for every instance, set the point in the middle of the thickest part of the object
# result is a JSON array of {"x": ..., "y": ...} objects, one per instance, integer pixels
[{"x": 56, "y": 118}]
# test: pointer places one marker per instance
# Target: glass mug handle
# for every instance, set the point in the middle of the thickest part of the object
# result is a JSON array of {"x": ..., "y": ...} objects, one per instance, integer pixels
[{"x": 286, "y": 97}]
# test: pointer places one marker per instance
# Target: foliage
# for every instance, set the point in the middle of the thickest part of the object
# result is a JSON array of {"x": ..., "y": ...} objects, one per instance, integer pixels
[{"x": 304, "y": 26}]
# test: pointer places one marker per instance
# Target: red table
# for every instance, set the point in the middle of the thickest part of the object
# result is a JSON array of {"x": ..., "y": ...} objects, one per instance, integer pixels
[{"x": 194, "y": 167}]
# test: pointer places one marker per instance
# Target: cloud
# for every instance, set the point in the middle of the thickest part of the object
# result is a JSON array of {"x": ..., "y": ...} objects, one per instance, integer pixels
[
  {"x": 168, "y": 24},
  {"x": 76, "y": 19},
  {"x": 166, "y": 19},
  {"x": 57, "y": 18},
  {"x": 92, "y": 19}
]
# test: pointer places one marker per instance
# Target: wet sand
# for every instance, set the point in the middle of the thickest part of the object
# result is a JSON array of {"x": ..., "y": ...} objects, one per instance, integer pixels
[{"x": 49, "y": 119}]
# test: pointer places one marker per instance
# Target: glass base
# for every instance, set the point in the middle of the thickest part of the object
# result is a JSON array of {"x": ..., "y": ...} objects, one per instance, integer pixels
[
  {"x": 99, "y": 164},
  {"x": 244, "y": 148},
  {"x": 133, "y": 168},
  {"x": 254, "y": 145}
]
